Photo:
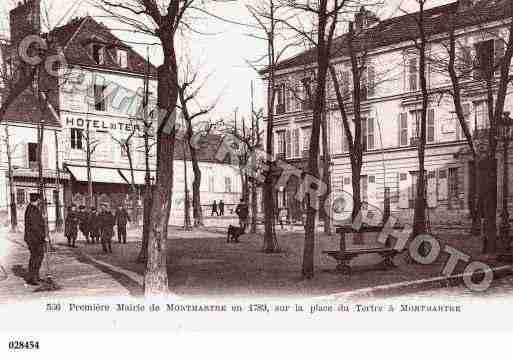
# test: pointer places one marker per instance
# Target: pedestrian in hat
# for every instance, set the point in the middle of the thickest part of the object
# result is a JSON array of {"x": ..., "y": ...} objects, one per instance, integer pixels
[
  {"x": 106, "y": 221},
  {"x": 83, "y": 215},
  {"x": 35, "y": 239},
  {"x": 94, "y": 226},
  {"x": 71, "y": 225},
  {"x": 242, "y": 211},
  {"x": 122, "y": 218}
]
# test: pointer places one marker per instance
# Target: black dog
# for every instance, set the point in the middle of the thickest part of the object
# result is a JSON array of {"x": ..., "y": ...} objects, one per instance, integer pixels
[{"x": 234, "y": 233}]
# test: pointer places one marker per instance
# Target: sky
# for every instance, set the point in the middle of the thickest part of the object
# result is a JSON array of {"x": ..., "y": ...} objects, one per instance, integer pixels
[{"x": 220, "y": 55}]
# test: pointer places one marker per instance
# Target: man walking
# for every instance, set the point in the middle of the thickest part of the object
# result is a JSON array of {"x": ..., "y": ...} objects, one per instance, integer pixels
[
  {"x": 106, "y": 221},
  {"x": 221, "y": 208},
  {"x": 71, "y": 226},
  {"x": 122, "y": 219},
  {"x": 84, "y": 223},
  {"x": 242, "y": 211},
  {"x": 94, "y": 226},
  {"x": 35, "y": 238},
  {"x": 214, "y": 209}
]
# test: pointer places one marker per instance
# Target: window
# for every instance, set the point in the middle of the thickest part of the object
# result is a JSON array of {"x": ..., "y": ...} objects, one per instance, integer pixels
[
  {"x": 280, "y": 150},
  {"x": 288, "y": 144},
  {"x": 413, "y": 74},
  {"x": 453, "y": 183},
  {"x": 211, "y": 186},
  {"x": 403, "y": 129},
  {"x": 413, "y": 189},
  {"x": 32, "y": 153},
  {"x": 364, "y": 185},
  {"x": 346, "y": 84},
  {"x": 430, "y": 126},
  {"x": 484, "y": 59},
  {"x": 122, "y": 58},
  {"x": 99, "y": 54},
  {"x": 466, "y": 114},
  {"x": 20, "y": 196},
  {"x": 481, "y": 113},
  {"x": 368, "y": 134},
  {"x": 367, "y": 83},
  {"x": 295, "y": 142},
  {"x": 279, "y": 99},
  {"x": 307, "y": 89},
  {"x": 76, "y": 138},
  {"x": 307, "y": 132},
  {"x": 228, "y": 184},
  {"x": 99, "y": 97}
]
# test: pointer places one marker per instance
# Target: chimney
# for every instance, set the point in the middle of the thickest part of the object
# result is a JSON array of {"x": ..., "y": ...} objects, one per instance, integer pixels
[
  {"x": 364, "y": 19},
  {"x": 25, "y": 19}
]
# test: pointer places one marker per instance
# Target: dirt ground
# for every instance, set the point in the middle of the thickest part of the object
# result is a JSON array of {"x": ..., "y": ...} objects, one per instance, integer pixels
[{"x": 201, "y": 263}]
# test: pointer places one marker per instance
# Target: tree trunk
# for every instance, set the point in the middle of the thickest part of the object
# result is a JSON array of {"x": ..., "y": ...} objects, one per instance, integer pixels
[
  {"x": 58, "y": 215},
  {"x": 186, "y": 206},
  {"x": 254, "y": 206},
  {"x": 326, "y": 178},
  {"x": 14, "y": 210},
  {"x": 41, "y": 183},
  {"x": 196, "y": 189},
  {"x": 89, "y": 200},
  {"x": 156, "y": 280}
]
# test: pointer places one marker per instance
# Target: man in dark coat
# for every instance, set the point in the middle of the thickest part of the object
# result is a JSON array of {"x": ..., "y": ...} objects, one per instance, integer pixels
[
  {"x": 94, "y": 226},
  {"x": 221, "y": 208},
  {"x": 35, "y": 239},
  {"x": 214, "y": 209},
  {"x": 242, "y": 211},
  {"x": 106, "y": 221},
  {"x": 122, "y": 219},
  {"x": 83, "y": 215},
  {"x": 71, "y": 225}
]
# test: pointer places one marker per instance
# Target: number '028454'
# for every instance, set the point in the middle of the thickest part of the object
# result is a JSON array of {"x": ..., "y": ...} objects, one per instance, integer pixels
[{"x": 23, "y": 344}]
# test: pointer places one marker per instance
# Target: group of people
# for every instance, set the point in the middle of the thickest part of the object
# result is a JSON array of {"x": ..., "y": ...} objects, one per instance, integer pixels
[
  {"x": 95, "y": 226},
  {"x": 218, "y": 209}
]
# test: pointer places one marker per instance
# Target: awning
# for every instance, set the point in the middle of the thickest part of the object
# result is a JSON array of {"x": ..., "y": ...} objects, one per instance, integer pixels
[
  {"x": 139, "y": 176},
  {"x": 98, "y": 174}
]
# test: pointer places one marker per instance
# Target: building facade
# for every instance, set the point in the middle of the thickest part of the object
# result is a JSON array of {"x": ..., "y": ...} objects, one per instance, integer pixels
[
  {"x": 92, "y": 109},
  {"x": 391, "y": 104}
]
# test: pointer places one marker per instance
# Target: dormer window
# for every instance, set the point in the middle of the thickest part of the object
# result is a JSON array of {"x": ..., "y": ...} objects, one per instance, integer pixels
[
  {"x": 99, "y": 54},
  {"x": 122, "y": 58}
]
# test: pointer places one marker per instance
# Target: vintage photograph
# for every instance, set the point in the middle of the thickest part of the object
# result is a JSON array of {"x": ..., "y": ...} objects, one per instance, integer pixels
[{"x": 341, "y": 151}]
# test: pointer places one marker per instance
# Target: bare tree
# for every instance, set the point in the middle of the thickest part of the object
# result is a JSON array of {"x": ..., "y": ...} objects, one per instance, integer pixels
[
  {"x": 325, "y": 17},
  {"x": 162, "y": 20},
  {"x": 189, "y": 87},
  {"x": 10, "y": 149},
  {"x": 267, "y": 16}
]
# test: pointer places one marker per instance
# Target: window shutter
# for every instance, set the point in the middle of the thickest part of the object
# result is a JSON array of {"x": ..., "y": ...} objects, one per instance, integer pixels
[
  {"x": 371, "y": 80},
  {"x": 403, "y": 191},
  {"x": 442, "y": 185},
  {"x": 45, "y": 157},
  {"x": 403, "y": 129},
  {"x": 499, "y": 51},
  {"x": 364, "y": 134},
  {"x": 432, "y": 190},
  {"x": 412, "y": 74},
  {"x": 431, "y": 125},
  {"x": 370, "y": 133},
  {"x": 288, "y": 144},
  {"x": 25, "y": 154}
]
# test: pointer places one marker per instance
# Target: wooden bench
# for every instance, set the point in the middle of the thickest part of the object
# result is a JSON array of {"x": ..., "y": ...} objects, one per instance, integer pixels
[{"x": 343, "y": 256}]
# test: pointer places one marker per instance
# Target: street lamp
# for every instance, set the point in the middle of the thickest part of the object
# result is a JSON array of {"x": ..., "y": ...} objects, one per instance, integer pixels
[{"x": 505, "y": 127}]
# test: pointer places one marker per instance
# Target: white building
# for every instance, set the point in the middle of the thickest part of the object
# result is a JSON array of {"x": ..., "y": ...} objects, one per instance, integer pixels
[{"x": 391, "y": 105}]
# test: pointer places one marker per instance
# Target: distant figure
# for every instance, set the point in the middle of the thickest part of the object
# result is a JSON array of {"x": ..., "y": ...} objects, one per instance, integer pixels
[
  {"x": 214, "y": 209},
  {"x": 122, "y": 219},
  {"x": 83, "y": 217},
  {"x": 35, "y": 239},
  {"x": 221, "y": 208},
  {"x": 242, "y": 211},
  {"x": 94, "y": 226},
  {"x": 107, "y": 221},
  {"x": 71, "y": 226},
  {"x": 282, "y": 216}
]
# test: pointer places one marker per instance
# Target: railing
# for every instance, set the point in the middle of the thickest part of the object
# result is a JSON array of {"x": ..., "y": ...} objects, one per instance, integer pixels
[{"x": 280, "y": 108}]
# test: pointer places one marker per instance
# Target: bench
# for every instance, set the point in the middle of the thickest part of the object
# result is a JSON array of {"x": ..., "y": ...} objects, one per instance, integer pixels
[{"x": 344, "y": 256}]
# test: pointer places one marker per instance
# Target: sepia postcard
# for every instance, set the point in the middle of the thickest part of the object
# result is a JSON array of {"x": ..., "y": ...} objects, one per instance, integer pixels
[{"x": 338, "y": 168}]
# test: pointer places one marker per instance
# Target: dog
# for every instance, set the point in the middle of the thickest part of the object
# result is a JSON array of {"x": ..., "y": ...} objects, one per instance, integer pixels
[{"x": 234, "y": 233}]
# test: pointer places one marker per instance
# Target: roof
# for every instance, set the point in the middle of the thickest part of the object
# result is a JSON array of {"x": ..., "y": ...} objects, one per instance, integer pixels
[
  {"x": 73, "y": 38},
  {"x": 403, "y": 28},
  {"x": 208, "y": 148}
]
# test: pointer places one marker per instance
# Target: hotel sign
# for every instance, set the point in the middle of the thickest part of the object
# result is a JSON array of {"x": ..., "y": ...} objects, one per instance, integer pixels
[{"x": 102, "y": 125}]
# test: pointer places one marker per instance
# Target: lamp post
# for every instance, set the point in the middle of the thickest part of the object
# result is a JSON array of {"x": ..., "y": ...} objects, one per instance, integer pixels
[{"x": 506, "y": 135}]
